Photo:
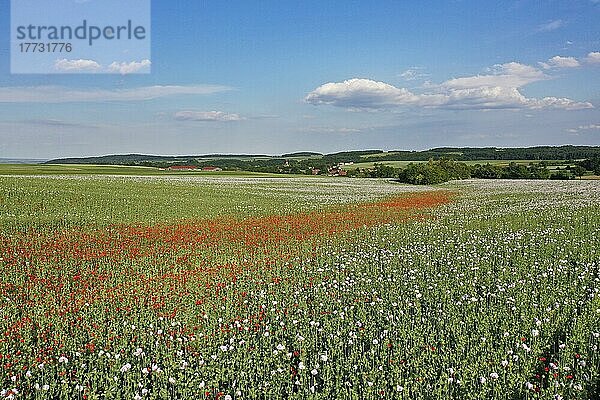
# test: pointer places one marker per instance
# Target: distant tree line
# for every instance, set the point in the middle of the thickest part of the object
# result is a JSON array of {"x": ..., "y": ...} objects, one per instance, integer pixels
[
  {"x": 492, "y": 153},
  {"x": 439, "y": 171},
  {"x": 591, "y": 164},
  {"x": 538, "y": 153},
  {"x": 440, "y": 164},
  {"x": 421, "y": 173}
]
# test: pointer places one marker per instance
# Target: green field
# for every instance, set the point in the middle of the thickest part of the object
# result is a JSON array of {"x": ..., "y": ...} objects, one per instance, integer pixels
[
  {"x": 88, "y": 169},
  {"x": 232, "y": 287}
]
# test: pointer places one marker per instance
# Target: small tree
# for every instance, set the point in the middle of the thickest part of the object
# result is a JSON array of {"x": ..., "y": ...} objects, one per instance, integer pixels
[{"x": 578, "y": 170}]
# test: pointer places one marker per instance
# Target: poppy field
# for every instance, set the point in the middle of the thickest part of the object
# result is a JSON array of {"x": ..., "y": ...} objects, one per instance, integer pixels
[{"x": 125, "y": 287}]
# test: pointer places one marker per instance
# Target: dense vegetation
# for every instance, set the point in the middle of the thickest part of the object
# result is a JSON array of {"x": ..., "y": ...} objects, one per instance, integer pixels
[
  {"x": 439, "y": 171},
  {"x": 494, "y": 153},
  {"x": 592, "y": 164},
  {"x": 236, "y": 288},
  {"x": 443, "y": 164},
  {"x": 320, "y": 160}
]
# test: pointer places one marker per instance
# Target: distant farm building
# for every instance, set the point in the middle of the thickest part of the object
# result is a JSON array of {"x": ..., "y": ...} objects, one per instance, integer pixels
[
  {"x": 337, "y": 171},
  {"x": 211, "y": 169},
  {"x": 182, "y": 168}
]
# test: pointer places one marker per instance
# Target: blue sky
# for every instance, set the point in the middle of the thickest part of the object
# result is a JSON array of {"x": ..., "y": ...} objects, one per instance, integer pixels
[
  {"x": 280, "y": 76},
  {"x": 74, "y": 13}
]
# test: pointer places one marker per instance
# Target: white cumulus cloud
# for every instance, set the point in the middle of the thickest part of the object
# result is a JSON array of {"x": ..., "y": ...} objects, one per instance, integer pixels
[
  {"x": 65, "y": 65},
  {"x": 360, "y": 93},
  {"x": 123, "y": 68},
  {"x": 593, "y": 57},
  {"x": 133, "y": 67},
  {"x": 498, "y": 89},
  {"x": 560, "y": 62},
  {"x": 208, "y": 116},
  {"x": 512, "y": 74}
]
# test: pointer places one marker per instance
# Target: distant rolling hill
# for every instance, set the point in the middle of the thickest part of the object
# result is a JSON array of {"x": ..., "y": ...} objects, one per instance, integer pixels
[
  {"x": 21, "y": 161},
  {"x": 567, "y": 152}
]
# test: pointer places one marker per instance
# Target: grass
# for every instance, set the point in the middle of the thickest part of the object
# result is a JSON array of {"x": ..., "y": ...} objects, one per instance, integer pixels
[
  {"x": 197, "y": 287},
  {"x": 86, "y": 199},
  {"x": 86, "y": 169}
]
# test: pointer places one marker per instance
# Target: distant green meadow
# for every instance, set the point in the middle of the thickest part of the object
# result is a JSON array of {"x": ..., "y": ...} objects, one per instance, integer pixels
[
  {"x": 86, "y": 169},
  {"x": 197, "y": 286}
]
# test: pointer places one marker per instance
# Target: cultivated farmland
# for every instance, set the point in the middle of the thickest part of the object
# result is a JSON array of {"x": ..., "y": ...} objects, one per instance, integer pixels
[{"x": 132, "y": 287}]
